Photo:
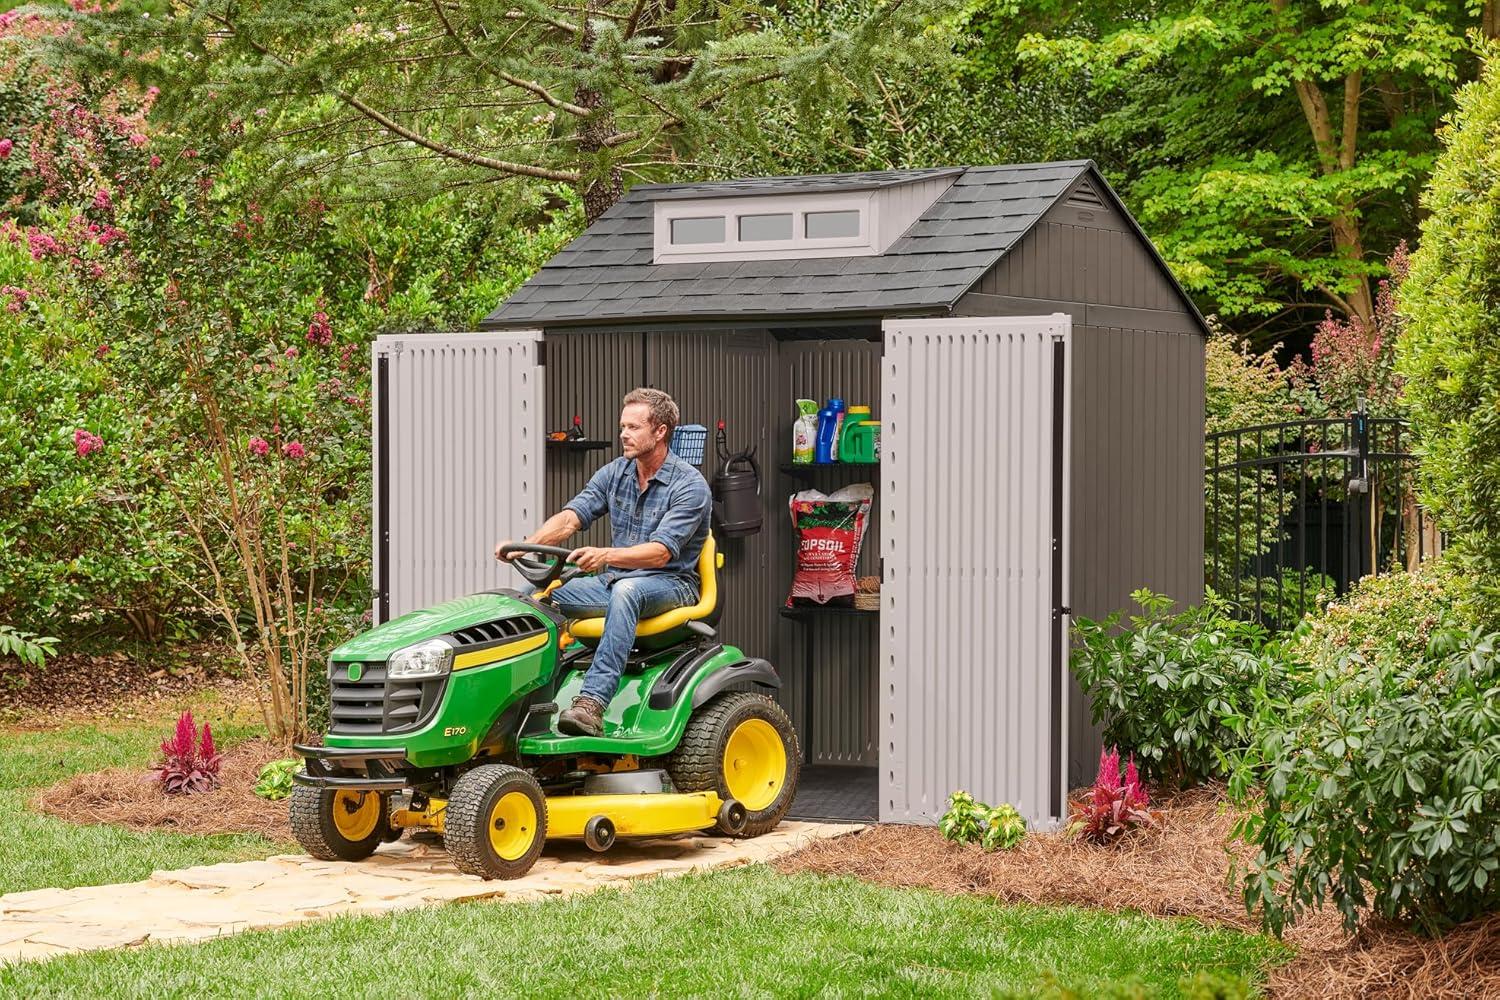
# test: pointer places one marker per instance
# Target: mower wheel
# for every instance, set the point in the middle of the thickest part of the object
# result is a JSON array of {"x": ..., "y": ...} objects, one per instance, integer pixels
[
  {"x": 599, "y": 833},
  {"x": 496, "y": 822},
  {"x": 743, "y": 747},
  {"x": 338, "y": 824}
]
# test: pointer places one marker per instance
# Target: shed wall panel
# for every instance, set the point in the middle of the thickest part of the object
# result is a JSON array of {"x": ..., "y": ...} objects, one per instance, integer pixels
[
  {"x": 587, "y": 374},
  {"x": 1082, "y": 263},
  {"x": 845, "y": 648},
  {"x": 967, "y": 615},
  {"x": 463, "y": 449},
  {"x": 1137, "y": 483}
]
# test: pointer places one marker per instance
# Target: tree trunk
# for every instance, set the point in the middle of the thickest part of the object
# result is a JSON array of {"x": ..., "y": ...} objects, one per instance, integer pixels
[
  {"x": 1489, "y": 19},
  {"x": 599, "y": 193}
]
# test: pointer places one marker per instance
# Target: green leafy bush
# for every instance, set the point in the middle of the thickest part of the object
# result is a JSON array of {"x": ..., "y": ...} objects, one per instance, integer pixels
[
  {"x": 1450, "y": 351},
  {"x": 1394, "y": 613},
  {"x": 28, "y": 647},
  {"x": 274, "y": 781},
  {"x": 993, "y": 828},
  {"x": 1175, "y": 689},
  {"x": 1378, "y": 785}
]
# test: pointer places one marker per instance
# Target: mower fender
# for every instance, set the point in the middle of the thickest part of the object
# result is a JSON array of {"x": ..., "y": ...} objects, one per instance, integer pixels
[{"x": 754, "y": 670}]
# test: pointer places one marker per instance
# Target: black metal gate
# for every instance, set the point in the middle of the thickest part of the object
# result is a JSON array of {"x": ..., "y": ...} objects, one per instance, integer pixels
[{"x": 1307, "y": 507}]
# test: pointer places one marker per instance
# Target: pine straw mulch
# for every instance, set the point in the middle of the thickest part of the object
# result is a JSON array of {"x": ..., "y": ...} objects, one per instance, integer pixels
[
  {"x": 131, "y": 797},
  {"x": 1180, "y": 869}
]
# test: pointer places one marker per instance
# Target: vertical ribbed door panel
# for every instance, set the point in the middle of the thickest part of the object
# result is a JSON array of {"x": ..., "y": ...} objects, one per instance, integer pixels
[
  {"x": 973, "y": 452},
  {"x": 458, "y": 462}
]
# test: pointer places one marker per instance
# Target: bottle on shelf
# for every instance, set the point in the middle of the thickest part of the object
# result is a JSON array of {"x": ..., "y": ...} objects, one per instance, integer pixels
[{"x": 830, "y": 423}]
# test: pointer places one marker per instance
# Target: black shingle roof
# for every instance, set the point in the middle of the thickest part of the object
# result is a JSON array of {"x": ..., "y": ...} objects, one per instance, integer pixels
[{"x": 606, "y": 274}]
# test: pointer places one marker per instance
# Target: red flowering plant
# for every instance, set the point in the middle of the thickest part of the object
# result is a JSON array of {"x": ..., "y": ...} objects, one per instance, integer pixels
[
  {"x": 190, "y": 762},
  {"x": 1115, "y": 805}
]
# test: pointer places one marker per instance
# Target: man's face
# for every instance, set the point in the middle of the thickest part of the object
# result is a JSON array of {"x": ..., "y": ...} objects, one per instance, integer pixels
[{"x": 638, "y": 435}]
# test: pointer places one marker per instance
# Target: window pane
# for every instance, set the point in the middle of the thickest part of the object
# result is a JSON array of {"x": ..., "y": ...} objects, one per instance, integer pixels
[
  {"x": 700, "y": 230},
  {"x": 765, "y": 227},
  {"x": 829, "y": 225}
]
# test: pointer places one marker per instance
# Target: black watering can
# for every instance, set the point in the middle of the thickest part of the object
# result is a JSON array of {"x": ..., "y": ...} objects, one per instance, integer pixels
[{"x": 736, "y": 489}]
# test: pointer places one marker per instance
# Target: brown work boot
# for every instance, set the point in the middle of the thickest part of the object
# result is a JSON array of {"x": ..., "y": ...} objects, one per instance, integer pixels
[{"x": 584, "y": 718}]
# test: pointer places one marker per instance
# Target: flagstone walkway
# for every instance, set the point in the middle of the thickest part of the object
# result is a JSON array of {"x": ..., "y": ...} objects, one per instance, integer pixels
[{"x": 213, "y": 900}]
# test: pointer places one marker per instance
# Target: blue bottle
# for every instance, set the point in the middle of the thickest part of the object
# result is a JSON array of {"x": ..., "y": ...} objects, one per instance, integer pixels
[{"x": 830, "y": 418}]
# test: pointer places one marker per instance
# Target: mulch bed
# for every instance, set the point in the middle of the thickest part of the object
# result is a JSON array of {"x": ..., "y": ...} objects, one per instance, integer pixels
[
  {"x": 1180, "y": 869},
  {"x": 132, "y": 798}
]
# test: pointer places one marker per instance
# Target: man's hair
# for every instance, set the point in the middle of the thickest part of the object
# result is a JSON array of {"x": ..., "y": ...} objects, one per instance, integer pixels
[{"x": 664, "y": 412}]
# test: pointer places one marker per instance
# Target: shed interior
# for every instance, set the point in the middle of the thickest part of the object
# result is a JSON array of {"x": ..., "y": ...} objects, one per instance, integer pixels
[{"x": 750, "y": 378}]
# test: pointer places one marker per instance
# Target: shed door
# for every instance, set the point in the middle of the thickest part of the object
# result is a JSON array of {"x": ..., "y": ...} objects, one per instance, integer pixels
[
  {"x": 458, "y": 462},
  {"x": 974, "y": 462}
]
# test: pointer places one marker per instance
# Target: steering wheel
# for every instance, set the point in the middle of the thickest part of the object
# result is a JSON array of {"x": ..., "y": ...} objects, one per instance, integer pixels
[{"x": 541, "y": 572}]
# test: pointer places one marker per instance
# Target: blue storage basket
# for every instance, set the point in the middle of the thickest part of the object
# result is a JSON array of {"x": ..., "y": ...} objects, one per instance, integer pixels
[{"x": 688, "y": 442}]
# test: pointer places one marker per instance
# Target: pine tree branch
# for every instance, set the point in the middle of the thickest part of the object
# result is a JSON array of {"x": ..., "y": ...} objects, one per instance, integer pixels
[{"x": 527, "y": 85}]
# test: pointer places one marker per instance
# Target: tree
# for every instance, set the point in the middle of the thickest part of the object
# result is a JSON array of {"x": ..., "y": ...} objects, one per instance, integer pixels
[
  {"x": 458, "y": 92},
  {"x": 1273, "y": 149},
  {"x": 1450, "y": 349}
]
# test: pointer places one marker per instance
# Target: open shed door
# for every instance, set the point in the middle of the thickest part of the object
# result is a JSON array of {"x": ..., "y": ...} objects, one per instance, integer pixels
[
  {"x": 974, "y": 457},
  {"x": 458, "y": 462}
]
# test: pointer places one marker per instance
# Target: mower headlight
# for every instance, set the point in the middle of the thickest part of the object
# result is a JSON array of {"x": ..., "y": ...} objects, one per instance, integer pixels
[{"x": 432, "y": 658}]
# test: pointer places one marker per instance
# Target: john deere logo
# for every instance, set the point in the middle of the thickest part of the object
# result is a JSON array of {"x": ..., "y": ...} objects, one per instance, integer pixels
[{"x": 356, "y": 671}]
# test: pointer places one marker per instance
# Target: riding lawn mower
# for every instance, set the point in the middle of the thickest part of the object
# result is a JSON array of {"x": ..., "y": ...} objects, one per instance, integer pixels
[{"x": 444, "y": 720}]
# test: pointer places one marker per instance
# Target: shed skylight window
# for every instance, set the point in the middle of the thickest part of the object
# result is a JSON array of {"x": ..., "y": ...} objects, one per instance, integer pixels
[
  {"x": 757, "y": 228},
  {"x": 704, "y": 229},
  {"x": 832, "y": 225}
]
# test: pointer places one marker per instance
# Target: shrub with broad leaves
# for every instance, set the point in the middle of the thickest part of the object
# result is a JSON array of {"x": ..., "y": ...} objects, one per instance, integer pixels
[
  {"x": 1378, "y": 787},
  {"x": 1117, "y": 804},
  {"x": 274, "y": 781},
  {"x": 969, "y": 821},
  {"x": 1175, "y": 689},
  {"x": 190, "y": 763}
]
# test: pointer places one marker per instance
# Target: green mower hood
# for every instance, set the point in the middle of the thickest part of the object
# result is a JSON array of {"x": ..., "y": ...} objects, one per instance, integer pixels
[{"x": 428, "y": 623}]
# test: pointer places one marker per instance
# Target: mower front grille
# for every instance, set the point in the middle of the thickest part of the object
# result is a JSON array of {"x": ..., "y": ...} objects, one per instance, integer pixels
[{"x": 374, "y": 705}]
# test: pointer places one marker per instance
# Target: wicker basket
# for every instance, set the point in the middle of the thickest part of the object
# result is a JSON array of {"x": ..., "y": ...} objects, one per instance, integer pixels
[{"x": 867, "y": 601}]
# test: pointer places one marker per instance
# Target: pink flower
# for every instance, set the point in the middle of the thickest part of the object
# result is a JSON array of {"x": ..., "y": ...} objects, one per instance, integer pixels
[
  {"x": 102, "y": 200},
  {"x": 110, "y": 234},
  {"x": 18, "y": 297},
  {"x": 151, "y": 92},
  {"x": 155, "y": 161},
  {"x": 291, "y": 352},
  {"x": 319, "y": 331},
  {"x": 137, "y": 139},
  {"x": 43, "y": 245},
  {"x": 294, "y": 449},
  {"x": 259, "y": 447},
  {"x": 101, "y": 350},
  {"x": 85, "y": 443},
  {"x": 5, "y": 147}
]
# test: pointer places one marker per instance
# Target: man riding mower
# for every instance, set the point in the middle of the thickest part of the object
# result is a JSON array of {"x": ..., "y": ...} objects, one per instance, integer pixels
[{"x": 448, "y": 719}]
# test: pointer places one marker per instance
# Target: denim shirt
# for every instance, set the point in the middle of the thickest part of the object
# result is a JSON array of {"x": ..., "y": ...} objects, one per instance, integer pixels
[{"x": 673, "y": 510}]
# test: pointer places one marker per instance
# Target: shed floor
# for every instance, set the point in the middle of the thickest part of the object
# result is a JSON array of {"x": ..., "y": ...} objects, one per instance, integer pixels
[{"x": 828, "y": 791}]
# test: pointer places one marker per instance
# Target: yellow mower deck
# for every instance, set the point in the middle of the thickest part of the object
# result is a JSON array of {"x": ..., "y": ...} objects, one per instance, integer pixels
[{"x": 644, "y": 815}]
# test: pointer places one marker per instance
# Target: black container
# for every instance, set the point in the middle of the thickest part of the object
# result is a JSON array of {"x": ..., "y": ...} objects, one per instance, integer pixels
[{"x": 736, "y": 490}]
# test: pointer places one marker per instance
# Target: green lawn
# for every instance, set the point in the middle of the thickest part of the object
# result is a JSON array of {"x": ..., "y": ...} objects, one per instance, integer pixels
[
  {"x": 39, "y": 851},
  {"x": 744, "y": 932}
]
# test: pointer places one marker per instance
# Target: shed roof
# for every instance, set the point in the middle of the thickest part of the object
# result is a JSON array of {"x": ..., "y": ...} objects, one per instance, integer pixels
[{"x": 606, "y": 275}]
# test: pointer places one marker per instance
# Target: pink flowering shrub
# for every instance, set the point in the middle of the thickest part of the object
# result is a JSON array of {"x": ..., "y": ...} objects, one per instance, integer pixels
[
  {"x": 294, "y": 450},
  {"x": 259, "y": 447},
  {"x": 190, "y": 763},
  {"x": 1115, "y": 805},
  {"x": 85, "y": 443},
  {"x": 319, "y": 331}
]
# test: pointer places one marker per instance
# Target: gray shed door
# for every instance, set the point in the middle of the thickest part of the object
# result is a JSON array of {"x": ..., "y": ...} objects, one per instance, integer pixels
[
  {"x": 458, "y": 462},
  {"x": 974, "y": 468}
]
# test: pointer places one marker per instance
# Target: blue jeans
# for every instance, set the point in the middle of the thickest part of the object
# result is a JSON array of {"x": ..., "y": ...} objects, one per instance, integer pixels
[{"x": 622, "y": 604}]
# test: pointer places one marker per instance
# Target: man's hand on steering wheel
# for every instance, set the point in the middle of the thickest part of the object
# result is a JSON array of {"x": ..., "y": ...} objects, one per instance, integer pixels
[
  {"x": 592, "y": 558},
  {"x": 508, "y": 556}
]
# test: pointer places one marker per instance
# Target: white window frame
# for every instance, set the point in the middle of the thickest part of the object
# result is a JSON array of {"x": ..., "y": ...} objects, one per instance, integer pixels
[{"x": 862, "y": 244}]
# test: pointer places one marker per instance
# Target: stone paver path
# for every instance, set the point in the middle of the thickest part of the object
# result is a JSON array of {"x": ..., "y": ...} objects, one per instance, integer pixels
[{"x": 212, "y": 900}]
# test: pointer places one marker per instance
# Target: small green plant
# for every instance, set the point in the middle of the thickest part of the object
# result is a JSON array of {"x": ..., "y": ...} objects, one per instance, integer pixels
[
  {"x": 28, "y": 647},
  {"x": 993, "y": 828},
  {"x": 274, "y": 781},
  {"x": 1175, "y": 689}
]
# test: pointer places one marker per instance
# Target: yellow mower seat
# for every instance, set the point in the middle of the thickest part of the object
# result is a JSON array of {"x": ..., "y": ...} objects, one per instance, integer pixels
[{"x": 663, "y": 628}]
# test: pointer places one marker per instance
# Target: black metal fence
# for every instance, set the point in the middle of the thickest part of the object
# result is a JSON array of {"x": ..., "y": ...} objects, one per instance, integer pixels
[{"x": 1306, "y": 507}]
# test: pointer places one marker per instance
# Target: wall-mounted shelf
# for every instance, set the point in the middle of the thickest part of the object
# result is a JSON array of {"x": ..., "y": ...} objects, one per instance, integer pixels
[
  {"x": 805, "y": 612},
  {"x": 806, "y": 470},
  {"x": 577, "y": 444}
]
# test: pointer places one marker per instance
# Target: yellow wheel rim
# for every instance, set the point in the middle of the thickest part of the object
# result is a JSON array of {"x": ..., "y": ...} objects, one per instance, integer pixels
[
  {"x": 513, "y": 825},
  {"x": 355, "y": 814},
  {"x": 755, "y": 764}
]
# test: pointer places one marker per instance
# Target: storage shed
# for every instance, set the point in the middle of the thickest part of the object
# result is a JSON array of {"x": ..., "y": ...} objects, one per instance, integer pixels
[{"x": 1039, "y": 377}]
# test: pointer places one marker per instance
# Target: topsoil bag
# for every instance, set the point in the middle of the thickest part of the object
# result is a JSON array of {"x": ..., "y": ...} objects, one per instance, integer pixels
[{"x": 830, "y": 530}]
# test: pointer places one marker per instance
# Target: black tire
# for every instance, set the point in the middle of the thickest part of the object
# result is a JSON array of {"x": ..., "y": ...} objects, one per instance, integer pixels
[
  {"x": 337, "y": 836},
  {"x": 697, "y": 765},
  {"x": 599, "y": 833},
  {"x": 481, "y": 800}
]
